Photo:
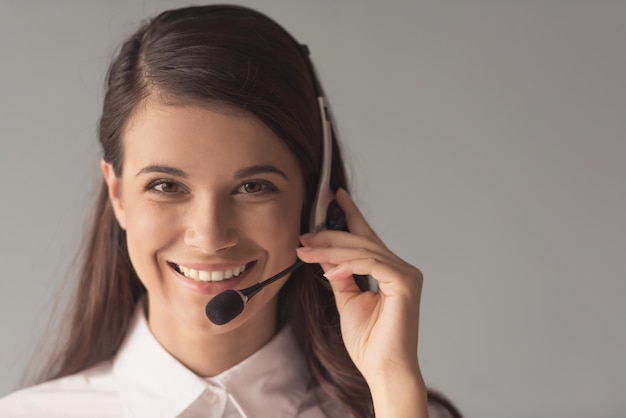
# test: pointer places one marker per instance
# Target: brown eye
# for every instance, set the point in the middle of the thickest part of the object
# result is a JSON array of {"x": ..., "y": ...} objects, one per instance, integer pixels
[
  {"x": 167, "y": 187},
  {"x": 253, "y": 187},
  {"x": 256, "y": 187}
]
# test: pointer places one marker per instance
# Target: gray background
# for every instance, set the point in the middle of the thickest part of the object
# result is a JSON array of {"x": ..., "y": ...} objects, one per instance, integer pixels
[{"x": 486, "y": 144}]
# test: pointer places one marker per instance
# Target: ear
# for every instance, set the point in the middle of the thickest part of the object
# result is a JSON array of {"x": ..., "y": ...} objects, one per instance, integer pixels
[{"x": 114, "y": 186}]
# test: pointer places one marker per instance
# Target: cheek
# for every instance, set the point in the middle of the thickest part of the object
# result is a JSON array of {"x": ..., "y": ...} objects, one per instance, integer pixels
[
  {"x": 275, "y": 228},
  {"x": 272, "y": 229},
  {"x": 289, "y": 226},
  {"x": 150, "y": 222},
  {"x": 148, "y": 231}
]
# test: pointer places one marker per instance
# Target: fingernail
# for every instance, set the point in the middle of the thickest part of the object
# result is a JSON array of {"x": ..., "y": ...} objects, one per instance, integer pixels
[
  {"x": 303, "y": 249},
  {"x": 330, "y": 272},
  {"x": 344, "y": 191},
  {"x": 307, "y": 235}
]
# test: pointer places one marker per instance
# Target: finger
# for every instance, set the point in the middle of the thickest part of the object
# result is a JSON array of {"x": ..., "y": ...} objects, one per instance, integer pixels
[
  {"x": 332, "y": 238},
  {"x": 344, "y": 289},
  {"x": 354, "y": 218},
  {"x": 344, "y": 285},
  {"x": 391, "y": 281},
  {"x": 338, "y": 255},
  {"x": 337, "y": 239},
  {"x": 327, "y": 267}
]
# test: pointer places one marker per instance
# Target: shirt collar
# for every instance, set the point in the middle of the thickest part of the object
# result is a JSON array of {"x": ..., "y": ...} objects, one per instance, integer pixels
[
  {"x": 154, "y": 383},
  {"x": 274, "y": 379}
]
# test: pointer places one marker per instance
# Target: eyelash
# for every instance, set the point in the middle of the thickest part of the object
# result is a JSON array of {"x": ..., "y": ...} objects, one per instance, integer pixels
[
  {"x": 152, "y": 186},
  {"x": 267, "y": 187}
]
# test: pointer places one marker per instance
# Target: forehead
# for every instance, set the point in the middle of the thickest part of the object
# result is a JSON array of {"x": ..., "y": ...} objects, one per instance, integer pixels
[{"x": 192, "y": 135}]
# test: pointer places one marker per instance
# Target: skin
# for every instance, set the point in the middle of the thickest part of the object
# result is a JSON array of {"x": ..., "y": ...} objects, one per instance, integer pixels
[
  {"x": 380, "y": 330},
  {"x": 208, "y": 215}
]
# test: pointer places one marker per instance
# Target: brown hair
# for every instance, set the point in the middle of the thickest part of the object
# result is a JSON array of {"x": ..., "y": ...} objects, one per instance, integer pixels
[{"x": 217, "y": 56}]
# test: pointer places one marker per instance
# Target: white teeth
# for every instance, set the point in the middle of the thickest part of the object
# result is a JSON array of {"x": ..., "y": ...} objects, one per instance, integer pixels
[
  {"x": 241, "y": 270},
  {"x": 210, "y": 276}
]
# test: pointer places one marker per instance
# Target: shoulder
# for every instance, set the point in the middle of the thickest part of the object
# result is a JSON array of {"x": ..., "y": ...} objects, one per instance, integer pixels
[{"x": 91, "y": 392}]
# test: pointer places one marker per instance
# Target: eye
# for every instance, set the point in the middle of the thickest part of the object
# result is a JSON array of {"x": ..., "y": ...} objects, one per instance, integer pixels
[
  {"x": 166, "y": 187},
  {"x": 256, "y": 187}
]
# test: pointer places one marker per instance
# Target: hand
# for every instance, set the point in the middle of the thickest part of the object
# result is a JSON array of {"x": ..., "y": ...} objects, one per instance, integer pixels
[{"x": 380, "y": 330}]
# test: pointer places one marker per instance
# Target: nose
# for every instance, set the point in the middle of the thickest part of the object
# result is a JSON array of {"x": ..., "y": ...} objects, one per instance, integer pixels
[{"x": 209, "y": 226}]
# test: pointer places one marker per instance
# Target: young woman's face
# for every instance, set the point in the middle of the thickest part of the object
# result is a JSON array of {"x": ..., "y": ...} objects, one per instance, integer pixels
[{"x": 209, "y": 201}]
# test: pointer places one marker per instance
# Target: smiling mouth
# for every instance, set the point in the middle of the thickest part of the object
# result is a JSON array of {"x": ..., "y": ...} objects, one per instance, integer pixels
[{"x": 210, "y": 276}]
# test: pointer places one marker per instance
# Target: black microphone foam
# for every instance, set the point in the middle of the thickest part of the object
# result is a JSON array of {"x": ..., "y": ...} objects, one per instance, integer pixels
[{"x": 225, "y": 307}]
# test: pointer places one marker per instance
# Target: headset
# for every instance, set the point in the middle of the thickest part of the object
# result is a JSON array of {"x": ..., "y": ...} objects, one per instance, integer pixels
[{"x": 326, "y": 214}]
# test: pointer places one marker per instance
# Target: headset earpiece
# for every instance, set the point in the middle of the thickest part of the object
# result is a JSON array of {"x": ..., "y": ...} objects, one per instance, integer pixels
[
  {"x": 335, "y": 218},
  {"x": 325, "y": 212}
]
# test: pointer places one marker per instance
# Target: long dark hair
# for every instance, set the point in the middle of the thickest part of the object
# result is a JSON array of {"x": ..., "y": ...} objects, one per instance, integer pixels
[{"x": 216, "y": 56}]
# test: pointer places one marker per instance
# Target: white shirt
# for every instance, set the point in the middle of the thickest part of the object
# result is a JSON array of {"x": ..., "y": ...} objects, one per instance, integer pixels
[{"x": 144, "y": 381}]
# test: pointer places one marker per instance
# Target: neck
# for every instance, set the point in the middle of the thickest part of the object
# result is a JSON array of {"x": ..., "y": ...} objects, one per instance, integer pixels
[{"x": 205, "y": 348}]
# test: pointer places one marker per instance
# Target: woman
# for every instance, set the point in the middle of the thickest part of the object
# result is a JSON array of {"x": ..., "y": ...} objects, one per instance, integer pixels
[{"x": 212, "y": 154}]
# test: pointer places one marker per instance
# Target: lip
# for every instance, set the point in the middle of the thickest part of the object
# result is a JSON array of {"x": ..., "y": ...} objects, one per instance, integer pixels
[{"x": 211, "y": 288}]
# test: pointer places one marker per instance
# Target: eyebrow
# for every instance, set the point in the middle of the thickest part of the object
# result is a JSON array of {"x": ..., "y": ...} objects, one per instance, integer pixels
[
  {"x": 166, "y": 169},
  {"x": 243, "y": 172},
  {"x": 259, "y": 169}
]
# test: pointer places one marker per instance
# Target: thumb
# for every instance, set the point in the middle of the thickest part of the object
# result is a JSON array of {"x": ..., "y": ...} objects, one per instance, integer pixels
[{"x": 342, "y": 283}]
